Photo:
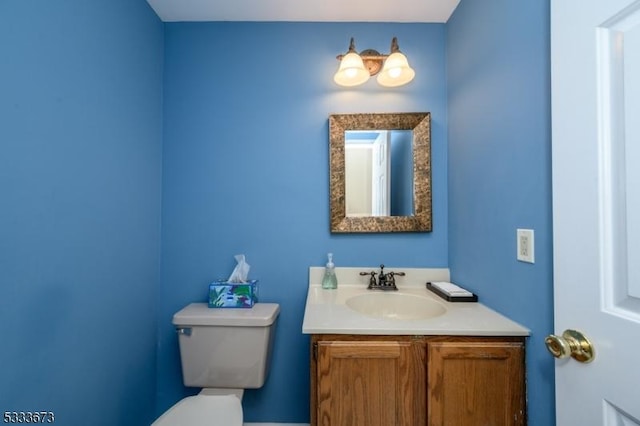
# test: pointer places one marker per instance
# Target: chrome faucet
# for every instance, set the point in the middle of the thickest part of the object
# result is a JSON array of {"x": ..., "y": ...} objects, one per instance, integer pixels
[{"x": 385, "y": 281}]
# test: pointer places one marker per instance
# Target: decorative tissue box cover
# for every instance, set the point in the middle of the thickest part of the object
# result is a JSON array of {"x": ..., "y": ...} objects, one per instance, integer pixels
[{"x": 223, "y": 294}]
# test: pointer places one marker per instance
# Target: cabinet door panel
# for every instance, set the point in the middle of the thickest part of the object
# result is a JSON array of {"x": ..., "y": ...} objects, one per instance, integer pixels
[
  {"x": 475, "y": 383},
  {"x": 369, "y": 383}
]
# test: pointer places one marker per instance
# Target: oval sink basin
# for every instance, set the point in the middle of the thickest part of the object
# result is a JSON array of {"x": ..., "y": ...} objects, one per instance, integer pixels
[{"x": 396, "y": 306}]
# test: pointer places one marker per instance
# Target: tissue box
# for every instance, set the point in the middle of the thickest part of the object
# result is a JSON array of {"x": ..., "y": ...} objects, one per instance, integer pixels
[{"x": 223, "y": 294}]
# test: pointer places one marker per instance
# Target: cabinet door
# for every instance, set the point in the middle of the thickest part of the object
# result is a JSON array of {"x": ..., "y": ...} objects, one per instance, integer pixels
[
  {"x": 370, "y": 383},
  {"x": 475, "y": 383}
]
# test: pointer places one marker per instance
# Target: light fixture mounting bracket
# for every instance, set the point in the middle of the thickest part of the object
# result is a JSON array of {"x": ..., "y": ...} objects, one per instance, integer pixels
[{"x": 372, "y": 60}]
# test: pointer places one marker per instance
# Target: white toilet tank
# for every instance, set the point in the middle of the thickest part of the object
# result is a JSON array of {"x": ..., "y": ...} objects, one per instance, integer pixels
[{"x": 226, "y": 347}]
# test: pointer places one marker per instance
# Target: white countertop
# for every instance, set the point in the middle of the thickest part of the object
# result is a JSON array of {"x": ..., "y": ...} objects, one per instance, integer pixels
[{"x": 327, "y": 313}]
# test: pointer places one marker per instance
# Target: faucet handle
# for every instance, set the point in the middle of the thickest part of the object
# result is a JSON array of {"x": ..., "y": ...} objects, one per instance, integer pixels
[
  {"x": 372, "y": 280},
  {"x": 391, "y": 281}
]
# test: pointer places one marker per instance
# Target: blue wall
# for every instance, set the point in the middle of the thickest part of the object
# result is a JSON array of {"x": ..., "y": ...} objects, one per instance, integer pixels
[
  {"x": 80, "y": 174},
  {"x": 245, "y": 170},
  {"x": 500, "y": 170}
]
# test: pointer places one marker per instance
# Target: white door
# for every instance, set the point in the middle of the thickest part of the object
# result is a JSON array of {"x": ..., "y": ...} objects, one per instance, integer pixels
[
  {"x": 381, "y": 175},
  {"x": 595, "y": 62}
]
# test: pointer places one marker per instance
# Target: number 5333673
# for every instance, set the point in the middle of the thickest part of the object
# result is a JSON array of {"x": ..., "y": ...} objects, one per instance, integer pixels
[{"x": 28, "y": 417}]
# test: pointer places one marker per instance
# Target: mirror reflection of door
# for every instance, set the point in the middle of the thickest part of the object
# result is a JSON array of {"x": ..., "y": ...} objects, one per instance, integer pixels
[
  {"x": 378, "y": 173},
  {"x": 381, "y": 168}
]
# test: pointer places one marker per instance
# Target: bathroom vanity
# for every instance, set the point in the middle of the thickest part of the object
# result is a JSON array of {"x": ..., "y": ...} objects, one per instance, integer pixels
[{"x": 409, "y": 357}]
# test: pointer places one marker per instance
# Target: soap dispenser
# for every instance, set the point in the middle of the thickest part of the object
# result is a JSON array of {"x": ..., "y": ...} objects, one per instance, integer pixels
[{"x": 329, "y": 281}]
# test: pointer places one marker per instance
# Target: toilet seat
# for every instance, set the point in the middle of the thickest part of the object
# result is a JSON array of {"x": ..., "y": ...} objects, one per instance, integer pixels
[{"x": 203, "y": 410}]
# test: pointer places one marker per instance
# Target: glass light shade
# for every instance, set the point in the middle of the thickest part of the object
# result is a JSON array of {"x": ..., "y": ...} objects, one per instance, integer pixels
[
  {"x": 396, "y": 71},
  {"x": 352, "y": 71}
]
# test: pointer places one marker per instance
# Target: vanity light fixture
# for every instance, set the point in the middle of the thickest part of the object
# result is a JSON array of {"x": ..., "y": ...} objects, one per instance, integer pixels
[{"x": 355, "y": 69}]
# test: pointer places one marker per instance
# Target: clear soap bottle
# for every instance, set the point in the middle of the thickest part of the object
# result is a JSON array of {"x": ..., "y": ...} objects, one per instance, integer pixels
[{"x": 329, "y": 281}]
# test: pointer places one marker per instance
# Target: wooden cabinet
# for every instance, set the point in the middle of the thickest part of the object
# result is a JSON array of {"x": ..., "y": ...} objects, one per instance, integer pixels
[
  {"x": 475, "y": 383},
  {"x": 417, "y": 380},
  {"x": 370, "y": 382}
]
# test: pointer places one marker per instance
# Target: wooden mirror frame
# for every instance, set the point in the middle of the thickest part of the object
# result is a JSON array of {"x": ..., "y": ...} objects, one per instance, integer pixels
[{"x": 420, "y": 123}]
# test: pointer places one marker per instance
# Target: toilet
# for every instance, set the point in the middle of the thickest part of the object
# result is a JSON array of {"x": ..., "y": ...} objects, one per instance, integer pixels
[{"x": 223, "y": 351}]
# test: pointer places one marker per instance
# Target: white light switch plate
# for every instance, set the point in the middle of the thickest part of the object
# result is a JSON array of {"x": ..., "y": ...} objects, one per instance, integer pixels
[{"x": 525, "y": 245}]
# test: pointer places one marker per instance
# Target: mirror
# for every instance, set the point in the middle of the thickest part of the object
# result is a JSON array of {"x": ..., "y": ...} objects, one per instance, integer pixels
[{"x": 380, "y": 172}]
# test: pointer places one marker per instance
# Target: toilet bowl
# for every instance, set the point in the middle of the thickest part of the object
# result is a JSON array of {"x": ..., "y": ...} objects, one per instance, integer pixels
[
  {"x": 223, "y": 351},
  {"x": 203, "y": 410}
]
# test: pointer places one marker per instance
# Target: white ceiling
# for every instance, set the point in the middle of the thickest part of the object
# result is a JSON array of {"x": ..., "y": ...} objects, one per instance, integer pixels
[{"x": 305, "y": 10}]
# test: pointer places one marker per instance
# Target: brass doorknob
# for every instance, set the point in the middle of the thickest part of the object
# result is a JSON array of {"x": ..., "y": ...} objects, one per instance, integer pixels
[{"x": 572, "y": 343}]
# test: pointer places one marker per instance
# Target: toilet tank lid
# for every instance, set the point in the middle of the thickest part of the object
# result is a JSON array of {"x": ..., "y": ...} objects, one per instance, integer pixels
[{"x": 260, "y": 315}]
